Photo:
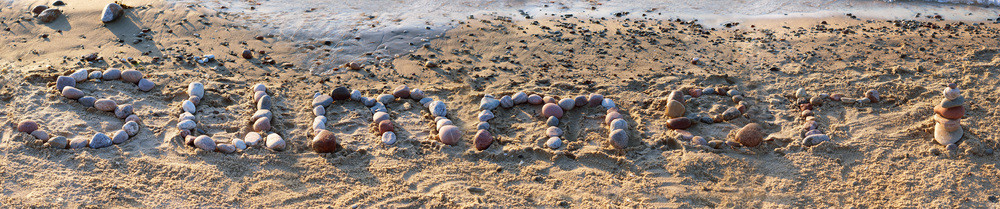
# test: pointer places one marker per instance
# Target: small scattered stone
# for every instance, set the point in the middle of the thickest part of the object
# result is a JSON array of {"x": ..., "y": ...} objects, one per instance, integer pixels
[
  {"x": 520, "y": 98},
  {"x": 801, "y": 93},
  {"x": 100, "y": 141},
  {"x": 535, "y": 99},
  {"x": 262, "y": 125},
  {"x": 567, "y": 104},
  {"x": 146, "y": 85},
  {"x": 750, "y": 135},
  {"x": 275, "y": 142},
  {"x": 119, "y": 137},
  {"x": 873, "y": 96},
  {"x": 49, "y": 15},
  {"x": 483, "y": 140},
  {"x": 679, "y": 123},
  {"x": 816, "y": 101},
  {"x": 106, "y": 105},
  {"x": 552, "y": 121},
  {"x": 247, "y": 54},
  {"x": 96, "y": 75},
  {"x": 40, "y": 135},
  {"x": 550, "y": 109},
  {"x": 325, "y": 142},
  {"x": 554, "y": 142},
  {"x": 449, "y": 134},
  {"x": 506, "y": 102},
  {"x": 618, "y": 138},
  {"x": 111, "y": 12},
  {"x": 133, "y": 76},
  {"x": 124, "y": 111},
  {"x": 72, "y": 93},
  {"x": 58, "y": 142}
]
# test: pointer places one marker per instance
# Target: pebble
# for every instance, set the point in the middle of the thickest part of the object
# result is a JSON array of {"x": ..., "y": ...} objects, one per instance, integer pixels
[
  {"x": 699, "y": 140},
  {"x": 554, "y": 142},
  {"x": 79, "y": 142},
  {"x": 708, "y": 91},
  {"x": 204, "y": 142},
  {"x": 438, "y": 108},
  {"x": 325, "y": 142},
  {"x": 506, "y": 102},
  {"x": 251, "y": 139},
  {"x": 950, "y": 113},
  {"x": 949, "y": 124},
  {"x": 417, "y": 94},
  {"x": 319, "y": 123},
  {"x": 385, "y": 126},
  {"x": 485, "y": 115},
  {"x": 186, "y": 125},
  {"x": 262, "y": 125},
  {"x": 815, "y": 139},
  {"x": 706, "y": 120},
  {"x": 49, "y": 15},
  {"x": 188, "y": 106},
  {"x": 246, "y": 54},
  {"x": 355, "y": 95},
  {"x": 239, "y": 144},
  {"x": 119, "y": 137},
  {"x": 801, "y": 93},
  {"x": 87, "y": 101},
  {"x": 944, "y": 137},
  {"x": 111, "y": 12},
  {"x": 40, "y": 135},
  {"x": 949, "y": 103},
  {"x": 675, "y": 109},
  {"x": 106, "y": 105},
  {"x": 549, "y": 99},
  {"x": 378, "y": 107},
  {"x": 535, "y": 99},
  {"x": 813, "y": 131},
  {"x": 264, "y": 103},
  {"x": 38, "y": 9},
  {"x": 320, "y": 101},
  {"x": 951, "y": 147},
  {"x": 734, "y": 92},
  {"x": 520, "y": 98},
  {"x": 385, "y": 98},
  {"x": 595, "y": 99},
  {"x": 27, "y": 126},
  {"x": 679, "y": 123},
  {"x": 873, "y": 96},
  {"x": 449, "y": 134},
  {"x": 483, "y": 126},
  {"x": 816, "y": 101},
  {"x": 425, "y": 101},
  {"x": 96, "y": 75},
  {"x": 618, "y": 124},
  {"x": 275, "y": 142},
  {"x": 133, "y": 118},
  {"x": 618, "y": 138},
  {"x": 259, "y": 94},
  {"x": 112, "y": 74},
  {"x": 123, "y": 111},
  {"x": 370, "y": 101},
  {"x": 146, "y": 85},
  {"x": 57, "y": 142},
  {"x": 611, "y": 116},
  {"x": 340, "y": 93},
  {"x": 72, "y": 92},
  {"x": 100, "y": 141},
  {"x": 750, "y": 135},
  {"x": 389, "y": 138},
  {"x": 676, "y": 96},
  {"x": 483, "y": 140},
  {"x": 567, "y": 104},
  {"x": 608, "y": 103},
  {"x": 441, "y": 123},
  {"x": 318, "y": 110},
  {"x": 552, "y": 121},
  {"x": 226, "y": 148},
  {"x": 133, "y": 76},
  {"x": 131, "y": 128},
  {"x": 552, "y": 110},
  {"x": 379, "y": 117},
  {"x": 402, "y": 92},
  {"x": 65, "y": 81},
  {"x": 488, "y": 103},
  {"x": 952, "y": 93},
  {"x": 731, "y": 113},
  {"x": 259, "y": 87},
  {"x": 553, "y": 131},
  {"x": 261, "y": 114}
]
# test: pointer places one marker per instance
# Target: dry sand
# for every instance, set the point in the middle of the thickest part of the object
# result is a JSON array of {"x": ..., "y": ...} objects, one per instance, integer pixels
[{"x": 881, "y": 155}]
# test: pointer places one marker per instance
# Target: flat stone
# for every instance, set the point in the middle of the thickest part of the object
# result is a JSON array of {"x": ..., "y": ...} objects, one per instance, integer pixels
[
  {"x": 944, "y": 137},
  {"x": 952, "y": 93},
  {"x": 554, "y": 142},
  {"x": 188, "y": 106},
  {"x": 261, "y": 114},
  {"x": 112, "y": 74},
  {"x": 608, "y": 103},
  {"x": 553, "y": 131},
  {"x": 506, "y": 102},
  {"x": 79, "y": 142},
  {"x": 106, "y": 105},
  {"x": 485, "y": 116},
  {"x": 40, "y": 135},
  {"x": 133, "y": 76},
  {"x": 322, "y": 100},
  {"x": 186, "y": 125},
  {"x": 385, "y": 98},
  {"x": 65, "y": 81},
  {"x": 205, "y": 143},
  {"x": 119, "y": 137},
  {"x": 146, "y": 85},
  {"x": 264, "y": 103},
  {"x": 58, "y": 142},
  {"x": 815, "y": 139},
  {"x": 72, "y": 93},
  {"x": 449, "y": 134},
  {"x": 955, "y": 112},
  {"x": 958, "y": 101}
]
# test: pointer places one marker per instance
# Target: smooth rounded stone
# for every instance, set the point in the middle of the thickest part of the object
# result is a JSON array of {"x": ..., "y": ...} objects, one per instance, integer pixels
[
  {"x": 204, "y": 142},
  {"x": 389, "y": 138},
  {"x": 708, "y": 91},
  {"x": 426, "y": 101},
  {"x": 949, "y": 124},
  {"x": 417, "y": 94},
  {"x": 402, "y": 92},
  {"x": 449, "y": 134},
  {"x": 124, "y": 111},
  {"x": 552, "y": 110},
  {"x": 325, "y": 142},
  {"x": 131, "y": 128},
  {"x": 247, "y": 54},
  {"x": 949, "y": 103},
  {"x": 379, "y": 117},
  {"x": 611, "y": 116},
  {"x": 811, "y": 132},
  {"x": 952, "y": 93},
  {"x": 815, "y": 139},
  {"x": 258, "y": 94},
  {"x": 96, "y": 75},
  {"x": 750, "y": 135},
  {"x": 378, "y": 107},
  {"x": 706, "y": 120},
  {"x": 438, "y": 108},
  {"x": 385, "y": 98},
  {"x": 133, "y": 118},
  {"x": 112, "y": 74},
  {"x": 488, "y": 103},
  {"x": 111, "y": 12},
  {"x": 72, "y": 93},
  {"x": 951, "y": 147},
  {"x": 262, "y": 125},
  {"x": 65, "y": 81},
  {"x": 261, "y": 114},
  {"x": 801, "y": 93},
  {"x": 679, "y": 123},
  {"x": 549, "y": 99},
  {"x": 146, "y": 85},
  {"x": 189, "y": 140},
  {"x": 275, "y": 142},
  {"x": 27, "y": 126},
  {"x": 239, "y": 144},
  {"x": 873, "y": 96},
  {"x": 188, "y": 106},
  {"x": 519, "y": 98},
  {"x": 319, "y": 123},
  {"x": 442, "y": 123},
  {"x": 38, "y": 9},
  {"x": 385, "y": 126},
  {"x": 816, "y": 101},
  {"x": 482, "y": 140},
  {"x": 535, "y": 99},
  {"x": 100, "y": 141},
  {"x": 731, "y": 113},
  {"x": 554, "y": 142},
  {"x": 49, "y": 15},
  {"x": 608, "y": 103},
  {"x": 106, "y": 105},
  {"x": 945, "y": 137},
  {"x": 675, "y": 109},
  {"x": 552, "y": 121},
  {"x": 580, "y": 101},
  {"x": 369, "y": 102},
  {"x": 79, "y": 142},
  {"x": 699, "y": 140},
  {"x": 119, "y": 137},
  {"x": 950, "y": 113},
  {"x": 567, "y": 104},
  {"x": 194, "y": 99},
  {"x": 618, "y": 138},
  {"x": 226, "y": 148},
  {"x": 483, "y": 126},
  {"x": 553, "y": 131},
  {"x": 259, "y": 87},
  {"x": 57, "y": 142},
  {"x": 264, "y": 103},
  {"x": 340, "y": 93},
  {"x": 319, "y": 110},
  {"x": 506, "y": 102},
  {"x": 252, "y": 139},
  {"x": 676, "y": 95},
  {"x": 848, "y": 100},
  {"x": 133, "y": 76},
  {"x": 320, "y": 101},
  {"x": 186, "y": 125},
  {"x": 40, "y": 135},
  {"x": 836, "y": 97},
  {"x": 734, "y": 92},
  {"x": 618, "y": 124},
  {"x": 486, "y": 115}
]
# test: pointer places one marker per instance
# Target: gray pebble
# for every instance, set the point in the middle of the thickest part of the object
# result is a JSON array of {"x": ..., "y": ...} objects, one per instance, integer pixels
[
  {"x": 379, "y": 107},
  {"x": 958, "y": 101},
  {"x": 385, "y": 98},
  {"x": 64, "y": 81},
  {"x": 239, "y": 144},
  {"x": 58, "y": 142},
  {"x": 146, "y": 85},
  {"x": 485, "y": 115},
  {"x": 815, "y": 139},
  {"x": 72, "y": 92},
  {"x": 425, "y": 101},
  {"x": 322, "y": 100},
  {"x": 438, "y": 108},
  {"x": 195, "y": 89},
  {"x": 80, "y": 75},
  {"x": 204, "y": 142},
  {"x": 506, "y": 102},
  {"x": 188, "y": 106},
  {"x": 119, "y": 137},
  {"x": 41, "y": 135},
  {"x": 552, "y": 121},
  {"x": 96, "y": 75},
  {"x": 112, "y": 74},
  {"x": 79, "y": 142},
  {"x": 100, "y": 141},
  {"x": 259, "y": 87},
  {"x": 417, "y": 94},
  {"x": 554, "y": 142},
  {"x": 264, "y": 103},
  {"x": 186, "y": 125},
  {"x": 368, "y": 101},
  {"x": 355, "y": 95},
  {"x": 619, "y": 124},
  {"x": 226, "y": 148},
  {"x": 87, "y": 101},
  {"x": 252, "y": 139},
  {"x": 608, "y": 103},
  {"x": 488, "y": 103},
  {"x": 567, "y": 104},
  {"x": 520, "y": 98},
  {"x": 483, "y": 126},
  {"x": 123, "y": 110},
  {"x": 319, "y": 110},
  {"x": 553, "y": 131},
  {"x": 708, "y": 91},
  {"x": 185, "y": 116},
  {"x": 131, "y": 128},
  {"x": 389, "y": 138}
]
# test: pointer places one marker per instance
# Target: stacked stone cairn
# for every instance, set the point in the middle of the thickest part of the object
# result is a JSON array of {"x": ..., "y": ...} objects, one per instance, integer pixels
[{"x": 948, "y": 116}]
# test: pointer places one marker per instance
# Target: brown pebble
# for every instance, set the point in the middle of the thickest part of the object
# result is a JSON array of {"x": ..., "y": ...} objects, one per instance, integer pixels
[
  {"x": 750, "y": 135},
  {"x": 106, "y": 105},
  {"x": 551, "y": 109},
  {"x": 27, "y": 126},
  {"x": 247, "y": 54},
  {"x": 483, "y": 140},
  {"x": 385, "y": 126},
  {"x": 325, "y": 142},
  {"x": 679, "y": 123}
]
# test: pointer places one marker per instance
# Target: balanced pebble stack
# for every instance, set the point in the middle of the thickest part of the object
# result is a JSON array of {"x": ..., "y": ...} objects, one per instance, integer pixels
[{"x": 948, "y": 116}]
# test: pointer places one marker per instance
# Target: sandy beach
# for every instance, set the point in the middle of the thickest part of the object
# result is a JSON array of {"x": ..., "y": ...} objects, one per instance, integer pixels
[{"x": 879, "y": 155}]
